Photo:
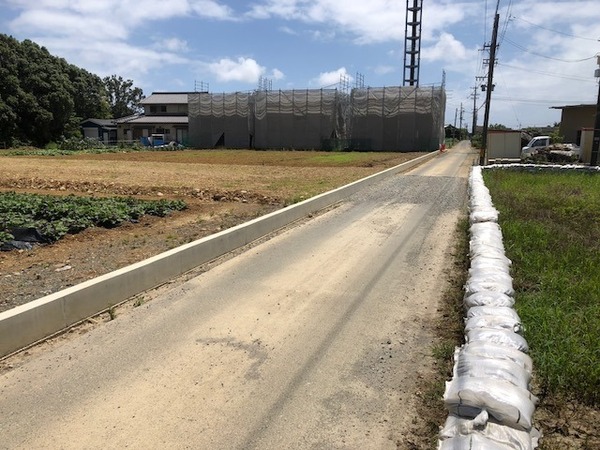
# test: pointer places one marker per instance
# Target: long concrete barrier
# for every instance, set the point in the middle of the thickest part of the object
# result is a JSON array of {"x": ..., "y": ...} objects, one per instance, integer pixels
[{"x": 36, "y": 320}]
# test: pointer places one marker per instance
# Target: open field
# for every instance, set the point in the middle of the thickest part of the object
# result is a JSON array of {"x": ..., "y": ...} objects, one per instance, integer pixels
[
  {"x": 221, "y": 189},
  {"x": 551, "y": 228}
]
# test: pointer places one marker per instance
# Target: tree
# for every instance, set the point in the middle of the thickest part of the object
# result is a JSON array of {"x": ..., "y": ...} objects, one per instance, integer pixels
[
  {"x": 42, "y": 97},
  {"x": 124, "y": 99},
  {"x": 497, "y": 126}
]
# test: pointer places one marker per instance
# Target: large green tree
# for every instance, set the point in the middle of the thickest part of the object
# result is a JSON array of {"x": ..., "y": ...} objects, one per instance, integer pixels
[
  {"x": 124, "y": 98},
  {"x": 43, "y": 97}
]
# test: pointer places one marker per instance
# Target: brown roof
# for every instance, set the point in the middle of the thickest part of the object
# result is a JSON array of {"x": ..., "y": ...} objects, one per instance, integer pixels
[{"x": 166, "y": 98}]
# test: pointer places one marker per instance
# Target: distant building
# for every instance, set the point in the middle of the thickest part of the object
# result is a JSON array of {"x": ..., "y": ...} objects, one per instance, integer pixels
[
  {"x": 574, "y": 118},
  {"x": 165, "y": 114},
  {"x": 104, "y": 130}
]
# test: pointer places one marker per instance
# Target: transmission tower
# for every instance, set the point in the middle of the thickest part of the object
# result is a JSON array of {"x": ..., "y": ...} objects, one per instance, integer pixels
[{"x": 412, "y": 42}]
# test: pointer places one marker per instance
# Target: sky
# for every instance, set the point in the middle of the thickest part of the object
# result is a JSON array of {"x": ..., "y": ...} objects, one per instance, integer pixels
[{"x": 546, "y": 55}]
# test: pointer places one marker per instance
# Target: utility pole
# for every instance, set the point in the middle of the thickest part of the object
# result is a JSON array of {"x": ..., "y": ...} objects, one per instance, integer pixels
[
  {"x": 596, "y": 141},
  {"x": 475, "y": 96},
  {"x": 462, "y": 110},
  {"x": 454, "y": 132},
  {"x": 490, "y": 87}
]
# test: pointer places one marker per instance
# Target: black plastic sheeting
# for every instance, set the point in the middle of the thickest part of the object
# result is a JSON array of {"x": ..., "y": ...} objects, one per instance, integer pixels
[{"x": 23, "y": 239}]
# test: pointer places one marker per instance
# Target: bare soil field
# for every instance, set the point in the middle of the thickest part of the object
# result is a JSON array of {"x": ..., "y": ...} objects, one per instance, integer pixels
[{"x": 221, "y": 189}]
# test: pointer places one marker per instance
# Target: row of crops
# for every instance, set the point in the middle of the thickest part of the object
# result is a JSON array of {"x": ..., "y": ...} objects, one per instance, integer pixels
[{"x": 52, "y": 216}]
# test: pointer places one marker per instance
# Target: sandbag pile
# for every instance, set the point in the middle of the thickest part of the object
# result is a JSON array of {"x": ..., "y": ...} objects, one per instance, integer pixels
[{"x": 489, "y": 402}]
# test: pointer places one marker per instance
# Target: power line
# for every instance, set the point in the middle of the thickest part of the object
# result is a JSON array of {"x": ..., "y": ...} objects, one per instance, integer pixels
[
  {"x": 555, "y": 31},
  {"x": 512, "y": 103},
  {"x": 520, "y": 47},
  {"x": 506, "y": 21},
  {"x": 548, "y": 74},
  {"x": 538, "y": 101}
]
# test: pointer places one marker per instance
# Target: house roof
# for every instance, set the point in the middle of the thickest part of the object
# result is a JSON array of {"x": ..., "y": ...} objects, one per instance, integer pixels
[
  {"x": 166, "y": 98},
  {"x": 583, "y": 105},
  {"x": 101, "y": 122},
  {"x": 177, "y": 120}
]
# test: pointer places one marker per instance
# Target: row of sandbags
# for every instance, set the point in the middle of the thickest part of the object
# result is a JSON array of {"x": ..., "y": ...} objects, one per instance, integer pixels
[{"x": 489, "y": 401}]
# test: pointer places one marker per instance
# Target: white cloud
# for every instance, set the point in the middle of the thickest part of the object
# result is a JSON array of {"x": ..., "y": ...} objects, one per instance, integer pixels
[
  {"x": 369, "y": 22},
  {"x": 212, "y": 9},
  {"x": 447, "y": 48},
  {"x": 172, "y": 45},
  {"x": 288, "y": 30},
  {"x": 277, "y": 74},
  {"x": 67, "y": 23},
  {"x": 331, "y": 78},
  {"x": 384, "y": 70},
  {"x": 245, "y": 70}
]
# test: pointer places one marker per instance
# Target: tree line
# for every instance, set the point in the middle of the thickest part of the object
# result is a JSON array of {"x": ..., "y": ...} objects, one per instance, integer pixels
[{"x": 43, "y": 98}]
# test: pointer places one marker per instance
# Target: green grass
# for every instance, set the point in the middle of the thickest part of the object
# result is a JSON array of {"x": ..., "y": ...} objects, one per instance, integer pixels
[{"x": 551, "y": 228}]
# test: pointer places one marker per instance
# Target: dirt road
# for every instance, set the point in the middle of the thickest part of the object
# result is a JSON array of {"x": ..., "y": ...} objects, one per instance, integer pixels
[{"x": 313, "y": 339}]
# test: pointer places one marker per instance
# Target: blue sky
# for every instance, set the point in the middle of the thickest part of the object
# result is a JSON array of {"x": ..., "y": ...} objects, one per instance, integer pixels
[{"x": 546, "y": 56}]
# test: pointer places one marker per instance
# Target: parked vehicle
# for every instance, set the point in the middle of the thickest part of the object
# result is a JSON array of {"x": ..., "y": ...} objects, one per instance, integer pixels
[{"x": 543, "y": 145}]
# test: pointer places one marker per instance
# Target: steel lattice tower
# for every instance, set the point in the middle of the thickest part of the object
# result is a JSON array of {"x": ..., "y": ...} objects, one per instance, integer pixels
[{"x": 412, "y": 42}]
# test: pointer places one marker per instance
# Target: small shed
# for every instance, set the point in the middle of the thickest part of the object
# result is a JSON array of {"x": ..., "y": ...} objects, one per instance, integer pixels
[
  {"x": 104, "y": 130},
  {"x": 504, "y": 144}
]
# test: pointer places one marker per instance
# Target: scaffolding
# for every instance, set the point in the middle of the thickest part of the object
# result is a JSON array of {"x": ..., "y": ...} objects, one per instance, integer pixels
[
  {"x": 397, "y": 119},
  {"x": 370, "y": 119},
  {"x": 220, "y": 120}
]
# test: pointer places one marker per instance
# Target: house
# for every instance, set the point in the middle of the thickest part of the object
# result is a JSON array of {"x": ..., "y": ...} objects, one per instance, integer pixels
[
  {"x": 573, "y": 119},
  {"x": 104, "y": 130},
  {"x": 165, "y": 116}
]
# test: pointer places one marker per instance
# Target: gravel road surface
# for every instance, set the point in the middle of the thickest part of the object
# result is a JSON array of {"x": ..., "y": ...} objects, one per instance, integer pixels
[{"x": 315, "y": 338}]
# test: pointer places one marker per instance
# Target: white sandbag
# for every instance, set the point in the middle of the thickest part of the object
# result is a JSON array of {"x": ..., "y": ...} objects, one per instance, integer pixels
[
  {"x": 487, "y": 230},
  {"x": 483, "y": 215},
  {"x": 488, "y": 252},
  {"x": 506, "y": 403},
  {"x": 499, "y": 434},
  {"x": 489, "y": 265},
  {"x": 471, "y": 442},
  {"x": 488, "y": 298},
  {"x": 489, "y": 270},
  {"x": 503, "y": 311},
  {"x": 502, "y": 352},
  {"x": 496, "y": 257},
  {"x": 497, "y": 336},
  {"x": 481, "y": 246},
  {"x": 469, "y": 365},
  {"x": 507, "y": 323},
  {"x": 496, "y": 282}
]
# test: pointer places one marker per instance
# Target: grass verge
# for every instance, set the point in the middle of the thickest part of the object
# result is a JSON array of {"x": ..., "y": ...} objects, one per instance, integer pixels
[{"x": 551, "y": 228}]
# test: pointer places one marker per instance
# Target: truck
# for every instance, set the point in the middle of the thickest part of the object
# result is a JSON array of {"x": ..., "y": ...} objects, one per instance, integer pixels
[{"x": 543, "y": 147}]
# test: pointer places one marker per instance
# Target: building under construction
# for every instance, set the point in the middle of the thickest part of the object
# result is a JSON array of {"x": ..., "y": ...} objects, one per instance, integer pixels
[{"x": 368, "y": 119}]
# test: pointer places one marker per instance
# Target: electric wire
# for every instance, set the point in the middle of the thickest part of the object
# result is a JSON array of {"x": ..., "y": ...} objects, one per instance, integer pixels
[
  {"x": 548, "y": 74},
  {"x": 555, "y": 31},
  {"x": 520, "y": 47},
  {"x": 512, "y": 103}
]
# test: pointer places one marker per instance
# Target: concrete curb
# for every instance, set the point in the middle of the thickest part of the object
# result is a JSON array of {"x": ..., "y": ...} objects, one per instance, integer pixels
[{"x": 36, "y": 320}]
